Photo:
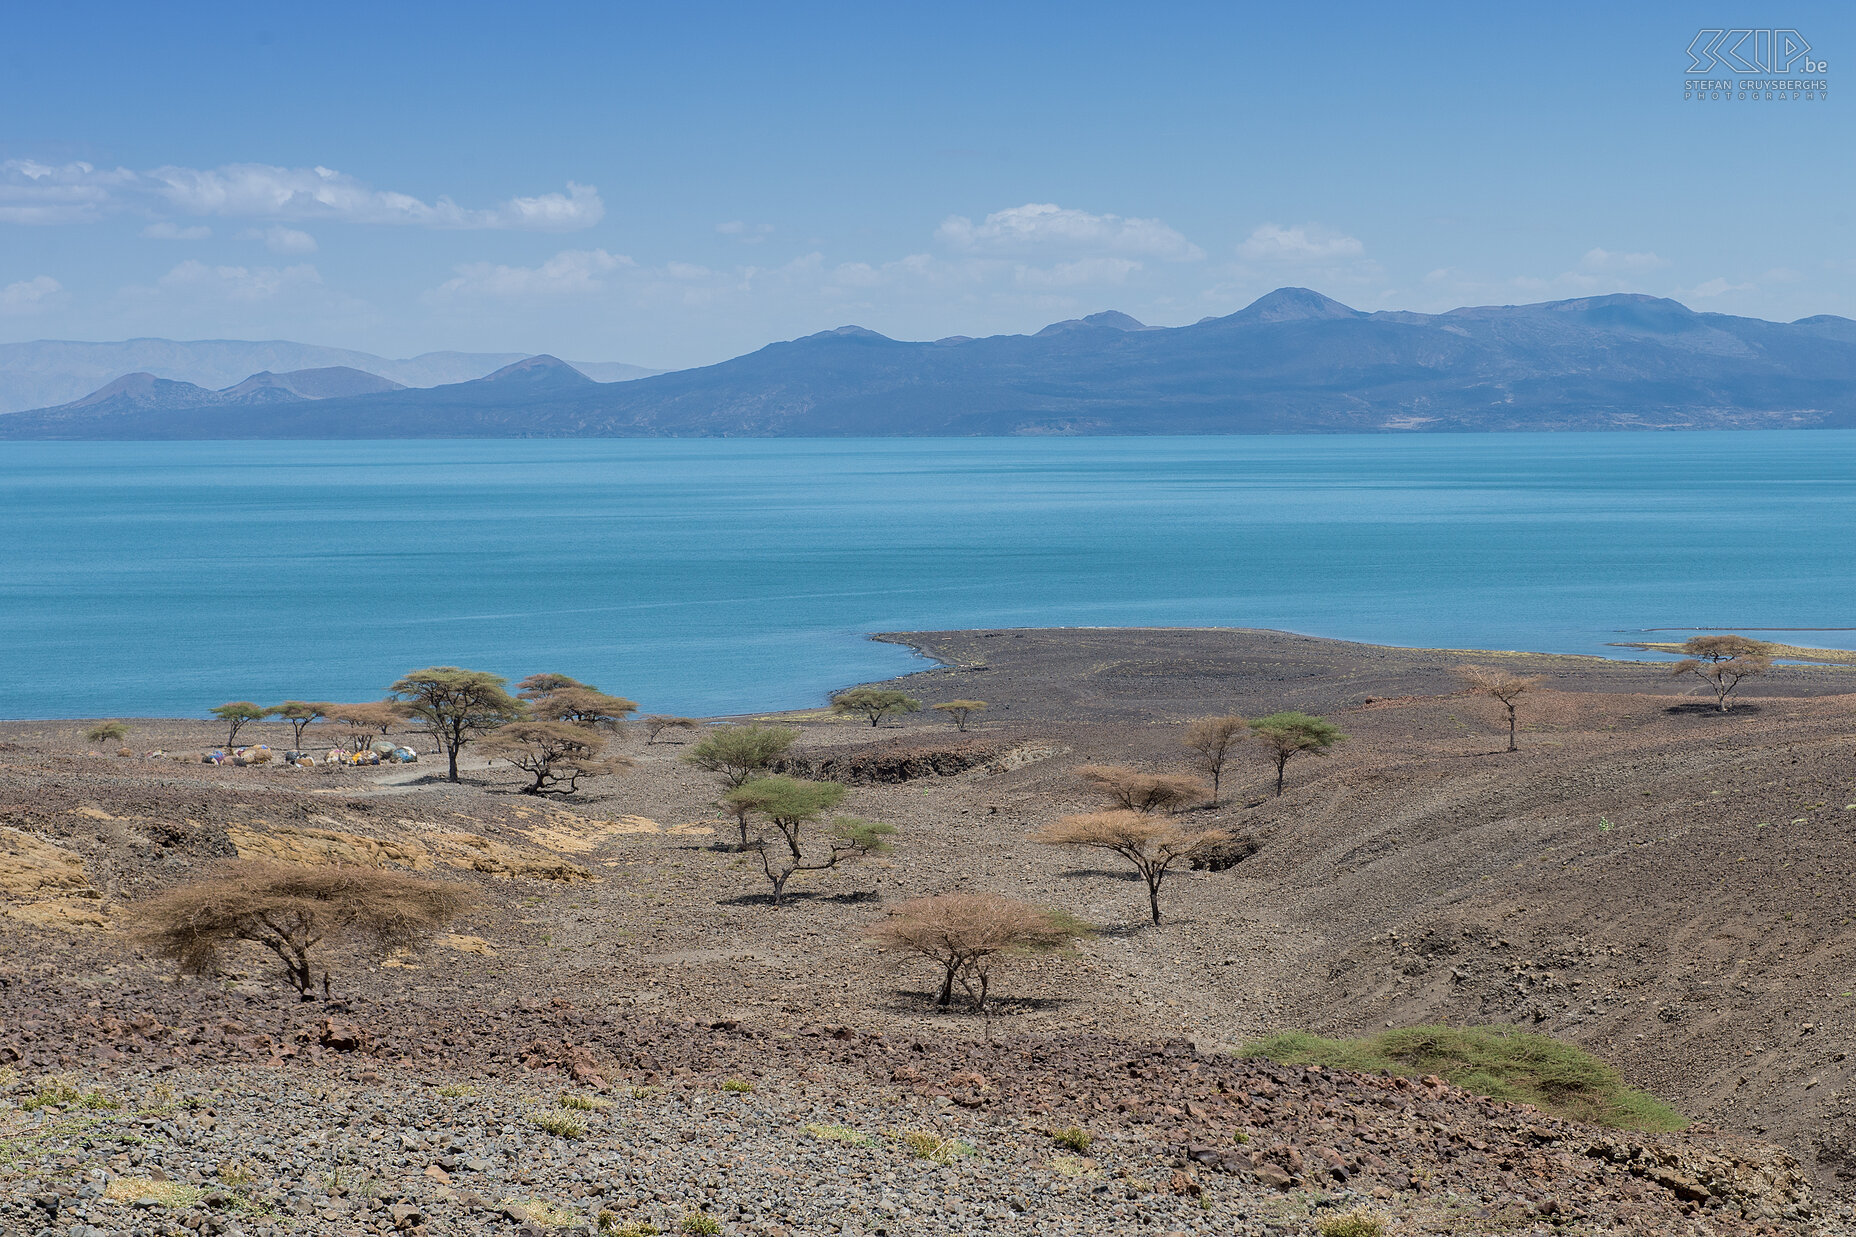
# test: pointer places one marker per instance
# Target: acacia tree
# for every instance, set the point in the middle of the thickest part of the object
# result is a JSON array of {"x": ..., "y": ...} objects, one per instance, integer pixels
[
  {"x": 235, "y": 715},
  {"x": 457, "y": 706},
  {"x": 1499, "y": 684},
  {"x": 300, "y": 713},
  {"x": 535, "y": 686},
  {"x": 1137, "y": 791},
  {"x": 1722, "y": 662},
  {"x": 741, "y": 752},
  {"x": 787, "y": 803},
  {"x": 656, "y": 724},
  {"x": 1289, "y": 733},
  {"x": 557, "y": 698},
  {"x": 790, "y": 806},
  {"x": 362, "y": 722},
  {"x": 740, "y": 809},
  {"x": 1210, "y": 740},
  {"x": 107, "y": 732},
  {"x": 847, "y": 838},
  {"x": 292, "y": 909},
  {"x": 1152, "y": 844},
  {"x": 965, "y": 934},
  {"x": 875, "y": 703},
  {"x": 959, "y": 711},
  {"x": 556, "y": 754}
]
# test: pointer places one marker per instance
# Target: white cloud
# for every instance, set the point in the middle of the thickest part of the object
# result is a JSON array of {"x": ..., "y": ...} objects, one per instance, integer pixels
[
  {"x": 1710, "y": 288},
  {"x": 571, "y": 272},
  {"x": 1607, "y": 260},
  {"x": 1048, "y": 226},
  {"x": 239, "y": 284},
  {"x": 29, "y": 296},
  {"x": 167, "y": 230},
  {"x": 1302, "y": 242},
  {"x": 39, "y": 193},
  {"x": 32, "y": 192},
  {"x": 279, "y": 239}
]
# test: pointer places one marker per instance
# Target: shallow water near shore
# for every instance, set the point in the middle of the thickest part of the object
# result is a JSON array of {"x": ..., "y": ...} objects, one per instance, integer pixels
[{"x": 723, "y": 576}]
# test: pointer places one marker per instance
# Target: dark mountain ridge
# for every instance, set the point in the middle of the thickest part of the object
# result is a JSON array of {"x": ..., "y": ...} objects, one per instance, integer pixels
[{"x": 1292, "y": 362}]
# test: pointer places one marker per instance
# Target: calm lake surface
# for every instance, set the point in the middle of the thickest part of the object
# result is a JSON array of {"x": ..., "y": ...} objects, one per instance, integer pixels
[{"x": 712, "y": 576}]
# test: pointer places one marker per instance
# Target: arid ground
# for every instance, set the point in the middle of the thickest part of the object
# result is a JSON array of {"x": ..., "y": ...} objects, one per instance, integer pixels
[{"x": 1662, "y": 883}]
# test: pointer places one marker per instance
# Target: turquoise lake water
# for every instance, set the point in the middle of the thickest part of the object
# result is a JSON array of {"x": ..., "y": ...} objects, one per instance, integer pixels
[{"x": 717, "y": 576}]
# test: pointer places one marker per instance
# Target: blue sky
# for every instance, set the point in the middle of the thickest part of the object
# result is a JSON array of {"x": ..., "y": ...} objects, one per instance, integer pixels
[{"x": 673, "y": 185}]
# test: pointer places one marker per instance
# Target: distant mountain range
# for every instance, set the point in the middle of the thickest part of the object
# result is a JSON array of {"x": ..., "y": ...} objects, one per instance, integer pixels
[
  {"x": 47, "y": 372},
  {"x": 1292, "y": 362}
]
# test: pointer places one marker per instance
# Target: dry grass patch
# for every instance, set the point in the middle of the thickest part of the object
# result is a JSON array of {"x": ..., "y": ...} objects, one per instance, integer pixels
[
  {"x": 165, "y": 1193},
  {"x": 62, "y": 1091},
  {"x": 1075, "y": 1166},
  {"x": 545, "y": 1213},
  {"x": 1359, "y": 1222},
  {"x": 560, "y": 1124},
  {"x": 840, "y": 1134},
  {"x": 935, "y": 1148},
  {"x": 611, "y": 1222}
]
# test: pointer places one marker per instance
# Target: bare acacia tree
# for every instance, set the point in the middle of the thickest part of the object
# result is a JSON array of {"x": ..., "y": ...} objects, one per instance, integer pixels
[
  {"x": 965, "y": 934},
  {"x": 1499, "y": 684},
  {"x": 1210, "y": 740},
  {"x": 1722, "y": 662},
  {"x": 1152, "y": 844},
  {"x": 656, "y": 724},
  {"x": 960, "y": 711},
  {"x": 556, "y": 754},
  {"x": 1137, "y": 791},
  {"x": 362, "y": 722},
  {"x": 291, "y": 910}
]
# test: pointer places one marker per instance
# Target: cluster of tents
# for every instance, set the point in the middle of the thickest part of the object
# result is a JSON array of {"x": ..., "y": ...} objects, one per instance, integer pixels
[{"x": 380, "y": 752}]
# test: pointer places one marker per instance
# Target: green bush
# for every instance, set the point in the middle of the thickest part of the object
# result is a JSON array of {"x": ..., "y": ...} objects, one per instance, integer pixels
[
  {"x": 1075, "y": 1137},
  {"x": 700, "y": 1225},
  {"x": 1503, "y": 1063}
]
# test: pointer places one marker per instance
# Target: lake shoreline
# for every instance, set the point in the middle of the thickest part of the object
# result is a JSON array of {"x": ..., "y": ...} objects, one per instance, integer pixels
[{"x": 954, "y": 653}]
